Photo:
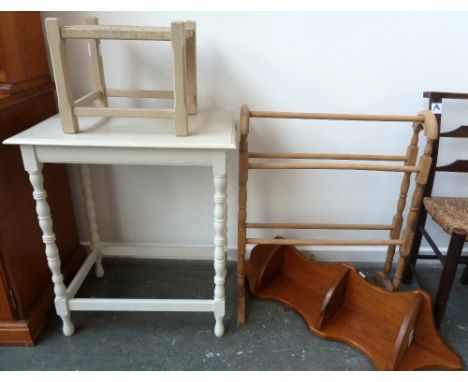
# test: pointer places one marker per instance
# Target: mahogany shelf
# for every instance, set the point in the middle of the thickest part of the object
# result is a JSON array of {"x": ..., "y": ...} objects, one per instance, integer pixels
[{"x": 395, "y": 330}]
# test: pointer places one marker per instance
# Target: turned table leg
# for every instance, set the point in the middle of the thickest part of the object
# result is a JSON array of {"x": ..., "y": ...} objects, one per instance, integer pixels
[
  {"x": 34, "y": 169},
  {"x": 219, "y": 176},
  {"x": 91, "y": 215},
  {"x": 225, "y": 234}
]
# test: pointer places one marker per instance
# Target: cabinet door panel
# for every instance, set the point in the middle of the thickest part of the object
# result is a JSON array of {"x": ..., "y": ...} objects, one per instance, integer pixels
[
  {"x": 23, "y": 54},
  {"x": 20, "y": 237},
  {"x": 6, "y": 312}
]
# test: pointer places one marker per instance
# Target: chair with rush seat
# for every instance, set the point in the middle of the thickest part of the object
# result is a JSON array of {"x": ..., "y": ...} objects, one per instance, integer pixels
[{"x": 450, "y": 213}]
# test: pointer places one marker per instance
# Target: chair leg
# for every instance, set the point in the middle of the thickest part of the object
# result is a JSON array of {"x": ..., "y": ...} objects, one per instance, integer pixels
[
  {"x": 413, "y": 257},
  {"x": 448, "y": 273},
  {"x": 414, "y": 253},
  {"x": 464, "y": 276}
]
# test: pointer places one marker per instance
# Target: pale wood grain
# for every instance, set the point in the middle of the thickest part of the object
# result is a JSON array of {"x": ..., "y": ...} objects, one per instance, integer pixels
[
  {"x": 120, "y": 32},
  {"x": 180, "y": 82},
  {"x": 88, "y": 98},
  {"x": 166, "y": 94},
  {"x": 423, "y": 121},
  {"x": 191, "y": 69},
  {"x": 331, "y": 166},
  {"x": 411, "y": 152},
  {"x": 182, "y": 36},
  {"x": 97, "y": 67},
  {"x": 58, "y": 59},
  {"x": 122, "y": 112},
  {"x": 324, "y": 242},
  {"x": 345, "y": 117},
  {"x": 365, "y": 227},
  {"x": 371, "y": 157}
]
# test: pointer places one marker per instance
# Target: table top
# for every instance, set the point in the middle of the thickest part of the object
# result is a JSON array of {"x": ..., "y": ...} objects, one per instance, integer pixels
[{"x": 207, "y": 130}]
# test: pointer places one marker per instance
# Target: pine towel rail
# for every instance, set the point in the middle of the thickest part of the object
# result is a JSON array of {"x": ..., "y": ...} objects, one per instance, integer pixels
[
  {"x": 371, "y": 157},
  {"x": 323, "y": 242},
  {"x": 330, "y": 166},
  {"x": 424, "y": 121},
  {"x": 364, "y": 227},
  {"x": 337, "y": 117}
]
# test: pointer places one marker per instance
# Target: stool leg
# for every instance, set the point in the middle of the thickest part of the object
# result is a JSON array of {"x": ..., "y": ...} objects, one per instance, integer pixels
[
  {"x": 448, "y": 273},
  {"x": 91, "y": 214},
  {"x": 48, "y": 238}
]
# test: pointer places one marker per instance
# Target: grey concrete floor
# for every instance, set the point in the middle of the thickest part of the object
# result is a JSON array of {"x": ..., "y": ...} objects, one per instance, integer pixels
[{"x": 273, "y": 338}]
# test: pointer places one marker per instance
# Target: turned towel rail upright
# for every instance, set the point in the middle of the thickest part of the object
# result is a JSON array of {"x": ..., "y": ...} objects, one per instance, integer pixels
[{"x": 424, "y": 121}]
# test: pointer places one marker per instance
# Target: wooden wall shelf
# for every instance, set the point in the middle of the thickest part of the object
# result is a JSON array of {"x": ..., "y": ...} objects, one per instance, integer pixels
[{"x": 395, "y": 330}]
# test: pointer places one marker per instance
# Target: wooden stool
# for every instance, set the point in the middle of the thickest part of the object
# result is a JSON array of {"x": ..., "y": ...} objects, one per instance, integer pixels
[{"x": 182, "y": 36}]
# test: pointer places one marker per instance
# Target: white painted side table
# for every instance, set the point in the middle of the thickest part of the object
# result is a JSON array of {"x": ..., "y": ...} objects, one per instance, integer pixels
[{"x": 136, "y": 142}]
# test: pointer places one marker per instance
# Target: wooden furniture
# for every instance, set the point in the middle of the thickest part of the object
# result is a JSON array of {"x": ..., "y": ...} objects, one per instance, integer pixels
[
  {"x": 23, "y": 61},
  {"x": 27, "y": 97},
  {"x": 182, "y": 36},
  {"x": 248, "y": 161},
  {"x": 395, "y": 330},
  {"x": 132, "y": 142},
  {"x": 450, "y": 213}
]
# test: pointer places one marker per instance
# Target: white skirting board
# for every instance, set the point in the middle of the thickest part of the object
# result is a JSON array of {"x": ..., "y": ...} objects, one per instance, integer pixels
[{"x": 201, "y": 252}]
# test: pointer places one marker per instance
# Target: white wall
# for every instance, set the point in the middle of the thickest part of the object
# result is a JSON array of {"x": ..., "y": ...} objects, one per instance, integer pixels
[{"x": 317, "y": 62}]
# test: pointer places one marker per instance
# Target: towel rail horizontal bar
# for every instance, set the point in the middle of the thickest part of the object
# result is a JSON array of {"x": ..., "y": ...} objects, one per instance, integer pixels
[
  {"x": 342, "y": 117},
  {"x": 370, "y": 227},
  {"x": 323, "y": 242},
  {"x": 330, "y": 166},
  {"x": 371, "y": 157}
]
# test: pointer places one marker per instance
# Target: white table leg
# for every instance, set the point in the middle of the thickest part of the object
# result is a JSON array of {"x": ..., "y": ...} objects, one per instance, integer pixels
[
  {"x": 225, "y": 234},
  {"x": 34, "y": 168},
  {"x": 91, "y": 214},
  {"x": 219, "y": 175}
]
